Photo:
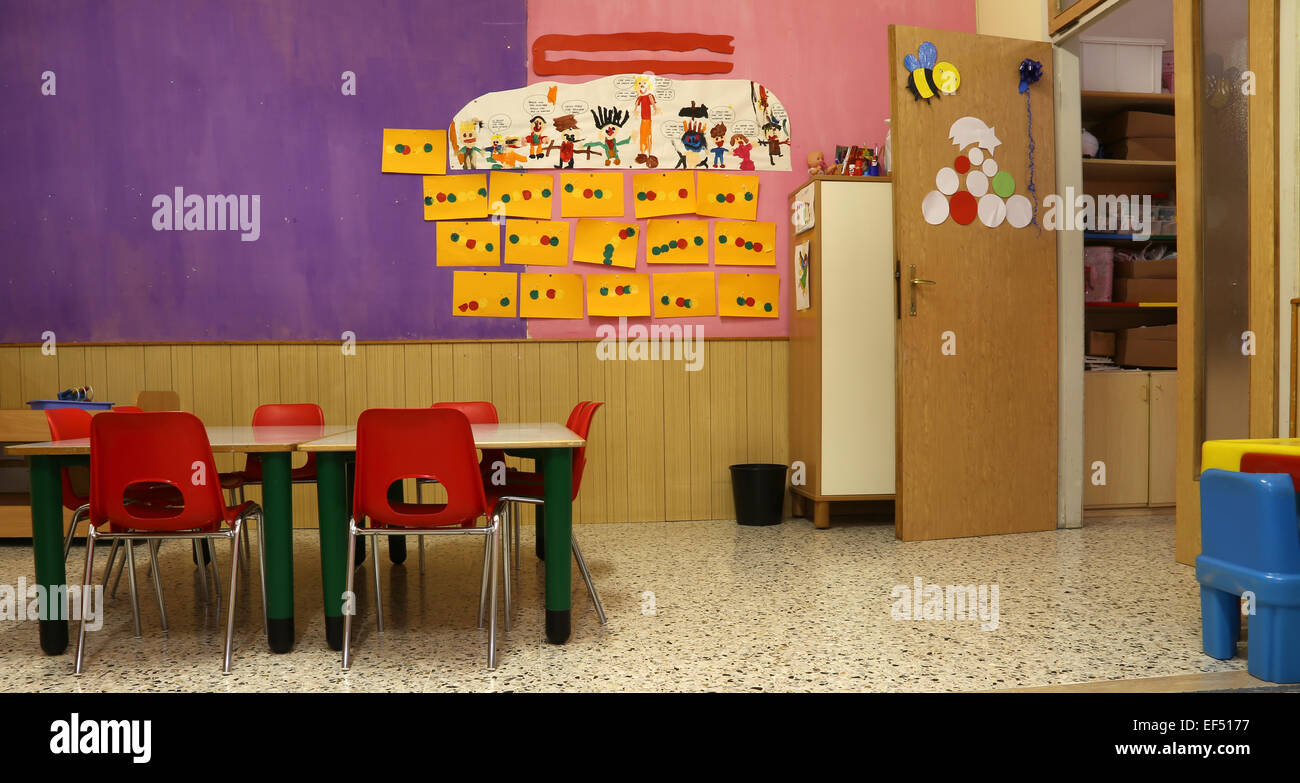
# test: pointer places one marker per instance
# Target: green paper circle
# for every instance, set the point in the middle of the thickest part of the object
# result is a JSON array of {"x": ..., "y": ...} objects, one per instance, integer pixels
[
  {"x": 514, "y": 239},
  {"x": 546, "y": 192},
  {"x": 568, "y": 188},
  {"x": 488, "y": 247},
  {"x": 604, "y": 290},
  {"x": 505, "y": 301},
  {"x": 1004, "y": 184},
  {"x": 740, "y": 300},
  {"x": 640, "y": 196},
  {"x": 663, "y": 300},
  {"x": 722, "y": 239},
  {"x": 505, "y": 198},
  {"x": 749, "y": 245},
  {"x": 428, "y": 148},
  {"x": 599, "y": 194},
  {"x": 768, "y": 307},
  {"x": 654, "y": 251},
  {"x": 555, "y": 241},
  {"x": 534, "y": 294},
  {"x": 428, "y": 201},
  {"x": 699, "y": 241},
  {"x": 451, "y": 198},
  {"x": 455, "y": 237},
  {"x": 397, "y": 148},
  {"x": 482, "y": 191},
  {"x": 721, "y": 199}
]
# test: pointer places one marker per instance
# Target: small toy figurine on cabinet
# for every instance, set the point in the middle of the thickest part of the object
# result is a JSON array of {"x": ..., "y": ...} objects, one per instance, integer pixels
[{"x": 817, "y": 163}]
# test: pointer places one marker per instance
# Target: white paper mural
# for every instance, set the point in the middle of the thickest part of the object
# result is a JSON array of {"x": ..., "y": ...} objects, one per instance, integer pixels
[{"x": 630, "y": 121}]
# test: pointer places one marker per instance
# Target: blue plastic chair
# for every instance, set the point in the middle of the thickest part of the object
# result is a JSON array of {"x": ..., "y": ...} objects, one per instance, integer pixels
[{"x": 1250, "y": 541}]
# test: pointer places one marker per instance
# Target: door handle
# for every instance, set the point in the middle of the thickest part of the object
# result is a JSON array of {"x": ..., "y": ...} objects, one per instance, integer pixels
[{"x": 914, "y": 281}]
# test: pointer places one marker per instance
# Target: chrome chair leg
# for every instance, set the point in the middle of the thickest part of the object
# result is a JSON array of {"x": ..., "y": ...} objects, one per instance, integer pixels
[
  {"x": 261, "y": 564},
  {"x": 157, "y": 581},
  {"x": 203, "y": 573},
  {"x": 349, "y": 600},
  {"x": 135, "y": 601},
  {"x": 247, "y": 556},
  {"x": 77, "y": 516},
  {"x": 234, "y": 586},
  {"x": 81, "y": 635},
  {"x": 514, "y": 519},
  {"x": 483, "y": 585},
  {"x": 108, "y": 569},
  {"x": 117, "y": 580},
  {"x": 494, "y": 543},
  {"x": 216, "y": 573},
  {"x": 379, "y": 601},
  {"x": 586, "y": 575},
  {"x": 502, "y": 526}
]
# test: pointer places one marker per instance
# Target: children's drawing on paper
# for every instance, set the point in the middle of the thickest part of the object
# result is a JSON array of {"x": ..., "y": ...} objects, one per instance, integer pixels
[
  {"x": 802, "y": 269},
  {"x": 627, "y": 121},
  {"x": 609, "y": 120},
  {"x": 646, "y": 106}
]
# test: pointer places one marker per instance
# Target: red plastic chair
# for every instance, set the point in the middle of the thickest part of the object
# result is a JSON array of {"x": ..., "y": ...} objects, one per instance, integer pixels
[
  {"x": 429, "y": 443},
  {"x": 71, "y": 424},
  {"x": 273, "y": 415},
  {"x": 168, "y": 448},
  {"x": 127, "y": 409},
  {"x": 526, "y": 487},
  {"x": 478, "y": 412}
]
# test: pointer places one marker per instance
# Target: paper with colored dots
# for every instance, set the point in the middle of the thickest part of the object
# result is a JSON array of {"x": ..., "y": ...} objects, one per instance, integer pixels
[
  {"x": 547, "y": 295},
  {"x": 744, "y": 243},
  {"x": 521, "y": 195},
  {"x": 469, "y": 243},
  {"x": 663, "y": 193},
  {"x": 677, "y": 241},
  {"x": 684, "y": 294},
  {"x": 455, "y": 197},
  {"x": 618, "y": 294},
  {"x": 606, "y": 242},
  {"x": 733, "y": 196},
  {"x": 537, "y": 242},
  {"x": 591, "y": 194},
  {"x": 484, "y": 294},
  {"x": 749, "y": 295},
  {"x": 414, "y": 151}
]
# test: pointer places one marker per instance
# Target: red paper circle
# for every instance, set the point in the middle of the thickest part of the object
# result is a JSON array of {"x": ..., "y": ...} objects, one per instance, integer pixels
[
  {"x": 749, "y": 300},
  {"x": 546, "y": 240},
  {"x": 731, "y": 197},
  {"x": 469, "y": 243},
  {"x": 682, "y": 193},
  {"x": 550, "y": 293},
  {"x": 650, "y": 195},
  {"x": 527, "y": 194},
  {"x": 681, "y": 244},
  {"x": 740, "y": 241},
  {"x": 442, "y": 197},
  {"x": 963, "y": 207},
  {"x": 586, "y": 193},
  {"x": 962, "y": 164}
]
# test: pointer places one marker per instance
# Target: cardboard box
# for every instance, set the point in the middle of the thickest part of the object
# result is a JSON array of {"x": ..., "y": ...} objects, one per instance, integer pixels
[
  {"x": 1164, "y": 269},
  {"x": 1101, "y": 344},
  {"x": 1148, "y": 346},
  {"x": 1141, "y": 149},
  {"x": 1134, "y": 125},
  {"x": 1145, "y": 289}
]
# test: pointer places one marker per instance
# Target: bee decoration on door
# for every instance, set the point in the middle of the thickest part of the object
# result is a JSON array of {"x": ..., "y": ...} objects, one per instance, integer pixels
[{"x": 927, "y": 77}]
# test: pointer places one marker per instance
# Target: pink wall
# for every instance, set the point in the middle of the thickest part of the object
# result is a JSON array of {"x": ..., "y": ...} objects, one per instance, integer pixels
[{"x": 826, "y": 60}]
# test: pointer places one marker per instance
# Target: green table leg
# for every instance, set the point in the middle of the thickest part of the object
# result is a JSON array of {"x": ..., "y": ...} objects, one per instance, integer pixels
[
  {"x": 277, "y": 510},
  {"x": 332, "y": 497},
  {"x": 557, "y": 472},
  {"x": 47, "y": 543}
]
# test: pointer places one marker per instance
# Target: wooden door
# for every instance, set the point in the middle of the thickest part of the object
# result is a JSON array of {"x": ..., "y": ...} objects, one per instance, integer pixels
[
  {"x": 1162, "y": 484},
  {"x": 977, "y": 362},
  {"x": 1116, "y": 426}
]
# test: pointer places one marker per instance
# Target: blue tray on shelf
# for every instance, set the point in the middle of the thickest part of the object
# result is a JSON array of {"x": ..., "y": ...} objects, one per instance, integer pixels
[{"x": 45, "y": 405}]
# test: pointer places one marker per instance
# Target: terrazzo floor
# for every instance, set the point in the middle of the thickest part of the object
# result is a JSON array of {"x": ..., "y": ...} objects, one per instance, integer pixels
[{"x": 692, "y": 606}]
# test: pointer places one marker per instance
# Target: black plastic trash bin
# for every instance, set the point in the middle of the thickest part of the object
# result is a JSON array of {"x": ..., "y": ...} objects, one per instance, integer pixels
[{"x": 759, "y": 491}]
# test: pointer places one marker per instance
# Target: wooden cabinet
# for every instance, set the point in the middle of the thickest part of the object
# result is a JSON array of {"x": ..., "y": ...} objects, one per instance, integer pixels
[
  {"x": 19, "y": 426},
  {"x": 842, "y": 347},
  {"x": 1129, "y": 438}
]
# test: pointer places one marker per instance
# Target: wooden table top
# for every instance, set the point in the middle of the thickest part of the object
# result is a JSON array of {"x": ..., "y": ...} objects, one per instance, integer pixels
[
  {"x": 223, "y": 439},
  {"x": 1226, "y": 454},
  {"x": 507, "y": 435}
]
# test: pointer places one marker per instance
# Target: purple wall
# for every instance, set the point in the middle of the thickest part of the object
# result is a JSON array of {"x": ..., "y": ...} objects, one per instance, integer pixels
[{"x": 243, "y": 98}]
